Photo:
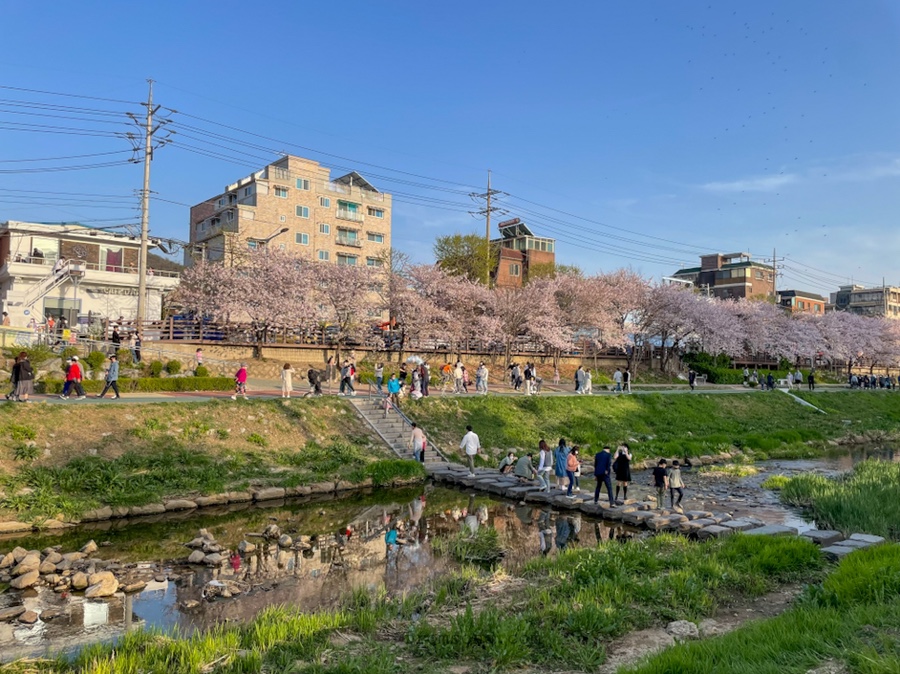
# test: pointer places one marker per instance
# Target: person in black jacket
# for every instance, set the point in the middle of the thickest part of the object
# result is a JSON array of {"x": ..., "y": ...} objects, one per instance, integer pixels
[
  {"x": 23, "y": 374},
  {"x": 602, "y": 469}
]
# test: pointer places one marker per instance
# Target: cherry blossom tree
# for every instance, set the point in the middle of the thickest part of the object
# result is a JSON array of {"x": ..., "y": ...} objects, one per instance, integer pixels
[{"x": 346, "y": 300}]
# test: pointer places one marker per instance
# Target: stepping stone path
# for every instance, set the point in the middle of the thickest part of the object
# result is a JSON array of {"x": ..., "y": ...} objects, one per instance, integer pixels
[{"x": 701, "y": 524}]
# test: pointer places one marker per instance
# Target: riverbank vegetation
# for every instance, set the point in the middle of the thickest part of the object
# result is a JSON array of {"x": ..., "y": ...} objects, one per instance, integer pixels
[
  {"x": 865, "y": 499},
  {"x": 852, "y": 619},
  {"x": 556, "y": 612},
  {"x": 65, "y": 460},
  {"x": 763, "y": 424}
]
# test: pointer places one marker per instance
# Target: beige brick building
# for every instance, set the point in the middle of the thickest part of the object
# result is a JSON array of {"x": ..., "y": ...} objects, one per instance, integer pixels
[{"x": 294, "y": 205}]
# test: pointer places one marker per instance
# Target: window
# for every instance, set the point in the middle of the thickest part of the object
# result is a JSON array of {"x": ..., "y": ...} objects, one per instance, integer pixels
[
  {"x": 221, "y": 202},
  {"x": 324, "y": 228},
  {"x": 816, "y": 308},
  {"x": 347, "y": 260},
  {"x": 229, "y": 216},
  {"x": 348, "y": 237},
  {"x": 374, "y": 262},
  {"x": 303, "y": 184},
  {"x": 281, "y": 173},
  {"x": 514, "y": 269},
  {"x": 302, "y": 239},
  {"x": 281, "y": 192},
  {"x": 323, "y": 255},
  {"x": 252, "y": 245},
  {"x": 302, "y": 211},
  {"x": 375, "y": 238},
  {"x": 375, "y": 212},
  {"x": 111, "y": 258},
  {"x": 324, "y": 202},
  {"x": 281, "y": 218},
  {"x": 248, "y": 191}
]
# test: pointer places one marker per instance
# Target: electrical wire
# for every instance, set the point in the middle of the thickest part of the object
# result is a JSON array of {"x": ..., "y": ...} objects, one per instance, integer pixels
[
  {"x": 57, "y": 93},
  {"x": 71, "y": 156},
  {"x": 55, "y": 169}
]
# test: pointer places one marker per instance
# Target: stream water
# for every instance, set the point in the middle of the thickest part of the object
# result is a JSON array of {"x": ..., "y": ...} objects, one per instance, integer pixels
[{"x": 333, "y": 561}]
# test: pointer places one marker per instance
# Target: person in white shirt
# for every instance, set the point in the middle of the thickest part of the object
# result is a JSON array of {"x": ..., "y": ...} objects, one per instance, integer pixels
[
  {"x": 471, "y": 444},
  {"x": 617, "y": 378},
  {"x": 545, "y": 465}
]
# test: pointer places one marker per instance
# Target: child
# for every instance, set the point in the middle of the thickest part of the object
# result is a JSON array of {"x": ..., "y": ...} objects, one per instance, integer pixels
[
  {"x": 661, "y": 482},
  {"x": 240, "y": 382},
  {"x": 675, "y": 484}
]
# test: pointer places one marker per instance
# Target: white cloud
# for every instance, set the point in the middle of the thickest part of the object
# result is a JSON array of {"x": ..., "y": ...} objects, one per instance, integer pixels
[
  {"x": 754, "y": 184},
  {"x": 889, "y": 169}
]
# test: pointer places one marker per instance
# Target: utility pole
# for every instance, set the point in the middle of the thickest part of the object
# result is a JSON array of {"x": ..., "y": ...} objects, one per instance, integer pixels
[
  {"x": 775, "y": 262},
  {"x": 486, "y": 212}
]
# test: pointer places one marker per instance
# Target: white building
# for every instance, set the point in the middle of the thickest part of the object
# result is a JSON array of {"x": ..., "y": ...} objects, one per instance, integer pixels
[{"x": 97, "y": 278}]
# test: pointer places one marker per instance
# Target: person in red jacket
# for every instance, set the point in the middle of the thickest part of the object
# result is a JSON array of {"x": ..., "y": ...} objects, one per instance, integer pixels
[
  {"x": 73, "y": 380},
  {"x": 240, "y": 382}
]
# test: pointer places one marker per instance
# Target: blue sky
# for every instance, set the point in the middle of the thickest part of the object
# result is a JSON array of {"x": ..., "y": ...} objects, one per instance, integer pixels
[{"x": 680, "y": 128}]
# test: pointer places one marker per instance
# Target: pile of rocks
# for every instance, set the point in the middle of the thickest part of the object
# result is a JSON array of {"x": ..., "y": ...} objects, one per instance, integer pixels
[
  {"x": 209, "y": 552},
  {"x": 206, "y": 550}
]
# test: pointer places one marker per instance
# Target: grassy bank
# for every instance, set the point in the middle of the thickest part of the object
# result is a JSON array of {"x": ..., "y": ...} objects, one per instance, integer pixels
[
  {"x": 59, "y": 459},
  {"x": 853, "y": 618},
  {"x": 865, "y": 500},
  {"x": 558, "y": 614},
  {"x": 768, "y": 423}
]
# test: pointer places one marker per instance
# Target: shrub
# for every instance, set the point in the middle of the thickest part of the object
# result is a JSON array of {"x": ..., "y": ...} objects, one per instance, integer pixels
[
  {"x": 38, "y": 355},
  {"x": 95, "y": 360},
  {"x": 173, "y": 366},
  {"x": 482, "y": 547},
  {"x": 146, "y": 385},
  {"x": 775, "y": 482},
  {"x": 201, "y": 371},
  {"x": 125, "y": 358},
  {"x": 19, "y": 432},
  {"x": 155, "y": 368},
  {"x": 257, "y": 439}
]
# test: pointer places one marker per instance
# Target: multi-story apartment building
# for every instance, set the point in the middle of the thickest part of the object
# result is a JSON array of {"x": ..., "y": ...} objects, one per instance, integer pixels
[
  {"x": 70, "y": 271},
  {"x": 293, "y": 204},
  {"x": 731, "y": 275},
  {"x": 878, "y": 301},
  {"x": 520, "y": 251},
  {"x": 800, "y": 301}
]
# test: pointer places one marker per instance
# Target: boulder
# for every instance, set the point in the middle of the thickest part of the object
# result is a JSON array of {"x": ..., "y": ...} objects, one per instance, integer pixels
[
  {"x": 79, "y": 581},
  {"x": 30, "y": 562},
  {"x": 268, "y": 494},
  {"x": 246, "y": 548},
  {"x": 196, "y": 543},
  {"x": 239, "y": 496},
  {"x": 25, "y": 580},
  {"x": 102, "y": 584},
  {"x": 713, "y": 531},
  {"x": 321, "y": 488},
  {"x": 136, "y": 586},
  {"x": 51, "y": 614},
  {"x": 14, "y": 527},
  {"x": 98, "y": 514},
  {"x": 28, "y": 618},
  {"x": 215, "y": 499},
  {"x": 11, "y": 613},
  {"x": 73, "y": 556},
  {"x": 7, "y": 561},
  {"x": 53, "y": 557},
  {"x": 272, "y": 531},
  {"x": 180, "y": 504},
  {"x": 149, "y": 509},
  {"x": 204, "y": 534},
  {"x": 18, "y": 553},
  {"x": 196, "y": 557},
  {"x": 47, "y": 567},
  {"x": 89, "y": 548},
  {"x": 301, "y": 490},
  {"x": 213, "y": 559},
  {"x": 711, "y": 628},
  {"x": 285, "y": 541},
  {"x": 682, "y": 630}
]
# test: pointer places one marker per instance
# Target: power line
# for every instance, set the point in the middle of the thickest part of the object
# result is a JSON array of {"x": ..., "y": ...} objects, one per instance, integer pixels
[
  {"x": 57, "y": 93},
  {"x": 71, "y": 156},
  {"x": 55, "y": 169}
]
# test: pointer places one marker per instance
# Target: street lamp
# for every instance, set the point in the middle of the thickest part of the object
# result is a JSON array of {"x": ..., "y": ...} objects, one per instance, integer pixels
[{"x": 265, "y": 242}]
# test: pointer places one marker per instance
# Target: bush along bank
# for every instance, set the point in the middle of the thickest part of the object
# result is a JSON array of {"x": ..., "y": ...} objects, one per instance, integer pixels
[{"x": 144, "y": 385}]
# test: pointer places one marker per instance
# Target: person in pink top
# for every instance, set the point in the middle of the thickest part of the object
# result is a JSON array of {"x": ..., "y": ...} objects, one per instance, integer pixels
[{"x": 240, "y": 382}]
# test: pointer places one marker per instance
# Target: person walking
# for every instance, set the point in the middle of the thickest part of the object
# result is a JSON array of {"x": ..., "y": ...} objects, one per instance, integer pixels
[
  {"x": 329, "y": 371},
  {"x": 471, "y": 444},
  {"x": 622, "y": 469},
  {"x": 626, "y": 380},
  {"x": 198, "y": 359},
  {"x": 602, "y": 469},
  {"x": 23, "y": 374},
  {"x": 798, "y": 378},
  {"x": 746, "y": 376},
  {"x": 579, "y": 379},
  {"x": 418, "y": 443},
  {"x": 481, "y": 375},
  {"x": 112, "y": 378},
  {"x": 555, "y": 375},
  {"x": 346, "y": 387},
  {"x": 77, "y": 376},
  {"x": 240, "y": 382},
  {"x": 811, "y": 380},
  {"x": 132, "y": 346},
  {"x": 402, "y": 375},
  {"x": 458, "y": 377},
  {"x": 379, "y": 377},
  {"x": 116, "y": 340},
  {"x": 425, "y": 375},
  {"x": 692, "y": 379},
  {"x": 137, "y": 348},
  {"x": 617, "y": 378},
  {"x": 661, "y": 482},
  {"x": 314, "y": 379},
  {"x": 573, "y": 466},
  {"x": 287, "y": 380},
  {"x": 560, "y": 457},
  {"x": 675, "y": 485},
  {"x": 545, "y": 464},
  {"x": 393, "y": 387},
  {"x": 588, "y": 383}
]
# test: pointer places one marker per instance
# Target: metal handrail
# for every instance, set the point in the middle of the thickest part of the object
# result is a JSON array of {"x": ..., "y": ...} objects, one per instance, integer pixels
[{"x": 405, "y": 419}]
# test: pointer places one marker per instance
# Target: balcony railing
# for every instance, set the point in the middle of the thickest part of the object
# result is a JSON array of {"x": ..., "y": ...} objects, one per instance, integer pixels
[
  {"x": 92, "y": 266},
  {"x": 348, "y": 241},
  {"x": 352, "y": 216}
]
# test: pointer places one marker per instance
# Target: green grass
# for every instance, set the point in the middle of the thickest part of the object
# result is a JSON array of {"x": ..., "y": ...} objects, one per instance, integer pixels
[
  {"x": 854, "y": 617},
  {"x": 865, "y": 500},
  {"x": 775, "y": 482},
  {"x": 768, "y": 424},
  {"x": 728, "y": 470},
  {"x": 482, "y": 548}
]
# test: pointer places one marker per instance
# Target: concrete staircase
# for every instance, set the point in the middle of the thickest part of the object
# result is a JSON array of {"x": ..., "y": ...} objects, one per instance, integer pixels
[{"x": 393, "y": 428}]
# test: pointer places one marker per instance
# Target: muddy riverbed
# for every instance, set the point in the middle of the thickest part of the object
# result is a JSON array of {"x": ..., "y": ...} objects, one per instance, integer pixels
[{"x": 343, "y": 548}]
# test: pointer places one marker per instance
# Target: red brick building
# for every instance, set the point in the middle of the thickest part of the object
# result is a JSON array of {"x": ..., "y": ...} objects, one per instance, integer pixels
[{"x": 519, "y": 252}]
